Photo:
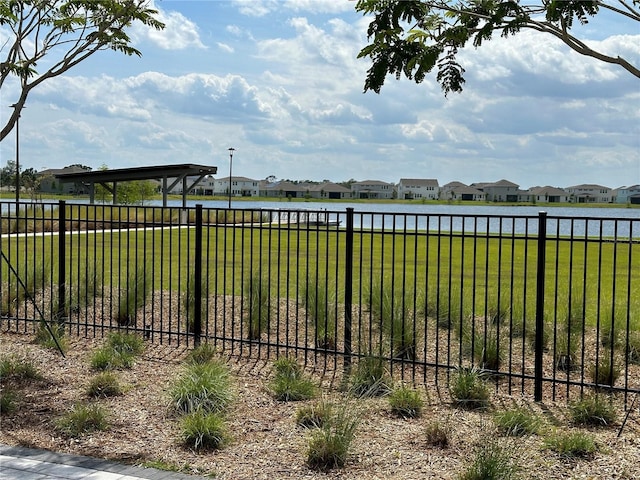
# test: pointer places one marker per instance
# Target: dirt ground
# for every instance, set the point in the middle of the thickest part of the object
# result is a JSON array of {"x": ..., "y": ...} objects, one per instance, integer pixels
[{"x": 265, "y": 441}]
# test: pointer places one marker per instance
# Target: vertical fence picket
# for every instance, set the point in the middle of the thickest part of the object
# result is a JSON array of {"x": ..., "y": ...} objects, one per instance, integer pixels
[{"x": 540, "y": 282}]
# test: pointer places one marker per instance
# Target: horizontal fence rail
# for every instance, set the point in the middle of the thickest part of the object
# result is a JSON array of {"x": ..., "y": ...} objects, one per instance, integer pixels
[{"x": 548, "y": 306}]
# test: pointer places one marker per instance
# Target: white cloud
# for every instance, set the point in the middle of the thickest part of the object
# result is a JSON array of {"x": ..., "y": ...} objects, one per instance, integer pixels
[
  {"x": 179, "y": 33},
  {"x": 224, "y": 47}
]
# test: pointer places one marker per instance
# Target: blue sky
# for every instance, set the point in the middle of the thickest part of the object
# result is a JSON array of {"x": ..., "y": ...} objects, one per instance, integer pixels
[{"x": 279, "y": 81}]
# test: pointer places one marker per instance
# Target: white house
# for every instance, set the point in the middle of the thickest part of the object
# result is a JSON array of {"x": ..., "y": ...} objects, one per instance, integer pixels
[
  {"x": 589, "y": 193},
  {"x": 373, "y": 189},
  {"x": 240, "y": 187},
  {"x": 418, "y": 188}
]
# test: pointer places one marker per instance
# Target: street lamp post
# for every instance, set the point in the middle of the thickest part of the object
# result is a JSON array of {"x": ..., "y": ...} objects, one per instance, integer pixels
[
  {"x": 15, "y": 106},
  {"x": 231, "y": 150}
]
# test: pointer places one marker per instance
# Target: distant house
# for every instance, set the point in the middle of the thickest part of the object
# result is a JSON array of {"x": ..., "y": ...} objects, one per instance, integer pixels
[
  {"x": 589, "y": 193},
  {"x": 500, "y": 191},
  {"x": 460, "y": 191},
  {"x": 282, "y": 189},
  {"x": 626, "y": 194},
  {"x": 240, "y": 187},
  {"x": 418, "y": 188},
  {"x": 329, "y": 190},
  {"x": 548, "y": 194},
  {"x": 205, "y": 186},
  {"x": 49, "y": 183},
  {"x": 372, "y": 189}
]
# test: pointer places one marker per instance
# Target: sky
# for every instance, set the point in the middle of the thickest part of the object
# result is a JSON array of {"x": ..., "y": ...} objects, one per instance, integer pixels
[{"x": 280, "y": 82}]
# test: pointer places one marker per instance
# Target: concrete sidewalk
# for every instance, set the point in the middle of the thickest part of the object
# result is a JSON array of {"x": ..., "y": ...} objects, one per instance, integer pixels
[{"x": 18, "y": 463}]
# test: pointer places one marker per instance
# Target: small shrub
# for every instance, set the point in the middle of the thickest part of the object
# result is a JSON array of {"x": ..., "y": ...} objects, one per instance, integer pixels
[
  {"x": 595, "y": 410},
  {"x": 437, "y": 434},
  {"x": 204, "y": 430},
  {"x": 491, "y": 462},
  {"x": 518, "y": 421},
  {"x": 315, "y": 416},
  {"x": 205, "y": 387},
  {"x": 83, "y": 419},
  {"x": 329, "y": 445},
  {"x": 203, "y": 353},
  {"x": 370, "y": 378},
  {"x": 405, "y": 402},
  {"x": 105, "y": 384},
  {"x": 290, "y": 383},
  {"x": 469, "y": 390},
  {"x": 571, "y": 444},
  {"x": 8, "y": 399}
]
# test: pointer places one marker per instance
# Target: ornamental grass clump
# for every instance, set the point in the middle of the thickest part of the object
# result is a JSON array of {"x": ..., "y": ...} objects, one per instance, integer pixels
[
  {"x": 405, "y": 402},
  {"x": 104, "y": 384},
  {"x": 328, "y": 445},
  {"x": 315, "y": 416},
  {"x": 202, "y": 387},
  {"x": 202, "y": 354},
  {"x": 436, "y": 434},
  {"x": 517, "y": 422},
  {"x": 13, "y": 368},
  {"x": 593, "y": 410},
  {"x": 491, "y": 461},
  {"x": 605, "y": 372},
  {"x": 257, "y": 301},
  {"x": 52, "y": 336},
  {"x": 119, "y": 351},
  {"x": 8, "y": 401},
  {"x": 204, "y": 430},
  {"x": 469, "y": 390},
  {"x": 82, "y": 419},
  {"x": 370, "y": 378},
  {"x": 571, "y": 444},
  {"x": 289, "y": 382}
]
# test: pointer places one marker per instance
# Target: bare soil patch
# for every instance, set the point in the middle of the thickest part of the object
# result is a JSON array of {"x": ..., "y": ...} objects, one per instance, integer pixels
[{"x": 266, "y": 442}]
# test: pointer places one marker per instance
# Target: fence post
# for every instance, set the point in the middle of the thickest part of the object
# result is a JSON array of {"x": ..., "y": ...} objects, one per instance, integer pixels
[
  {"x": 348, "y": 290},
  {"x": 197, "y": 279},
  {"x": 62, "y": 260},
  {"x": 540, "y": 281}
]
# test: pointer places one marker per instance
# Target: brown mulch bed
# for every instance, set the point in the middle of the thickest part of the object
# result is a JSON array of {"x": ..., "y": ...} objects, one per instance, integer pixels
[{"x": 266, "y": 442}]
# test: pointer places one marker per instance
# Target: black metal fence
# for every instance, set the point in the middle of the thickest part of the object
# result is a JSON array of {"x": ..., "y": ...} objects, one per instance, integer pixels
[{"x": 548, "y": 305}]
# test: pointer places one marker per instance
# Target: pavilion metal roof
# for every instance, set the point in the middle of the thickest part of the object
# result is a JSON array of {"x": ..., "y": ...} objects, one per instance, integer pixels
[{"x": 110, "y": 178}]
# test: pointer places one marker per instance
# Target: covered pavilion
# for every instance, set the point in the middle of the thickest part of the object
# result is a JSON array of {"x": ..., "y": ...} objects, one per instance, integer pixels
[{"x": 170, "y": 176}]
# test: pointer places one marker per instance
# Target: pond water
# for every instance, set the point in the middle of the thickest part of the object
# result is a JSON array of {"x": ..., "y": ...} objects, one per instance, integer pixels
[{"x": 468, "y": 218}]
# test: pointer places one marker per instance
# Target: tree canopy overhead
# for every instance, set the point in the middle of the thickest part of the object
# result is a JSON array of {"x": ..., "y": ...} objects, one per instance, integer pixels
[
  {"x": 64, "y": 33},
  {"x": 414, "y": 37}
]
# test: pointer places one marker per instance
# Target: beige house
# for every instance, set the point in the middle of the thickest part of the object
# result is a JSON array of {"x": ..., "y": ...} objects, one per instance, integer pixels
[{"x": 373, "y": 189}]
